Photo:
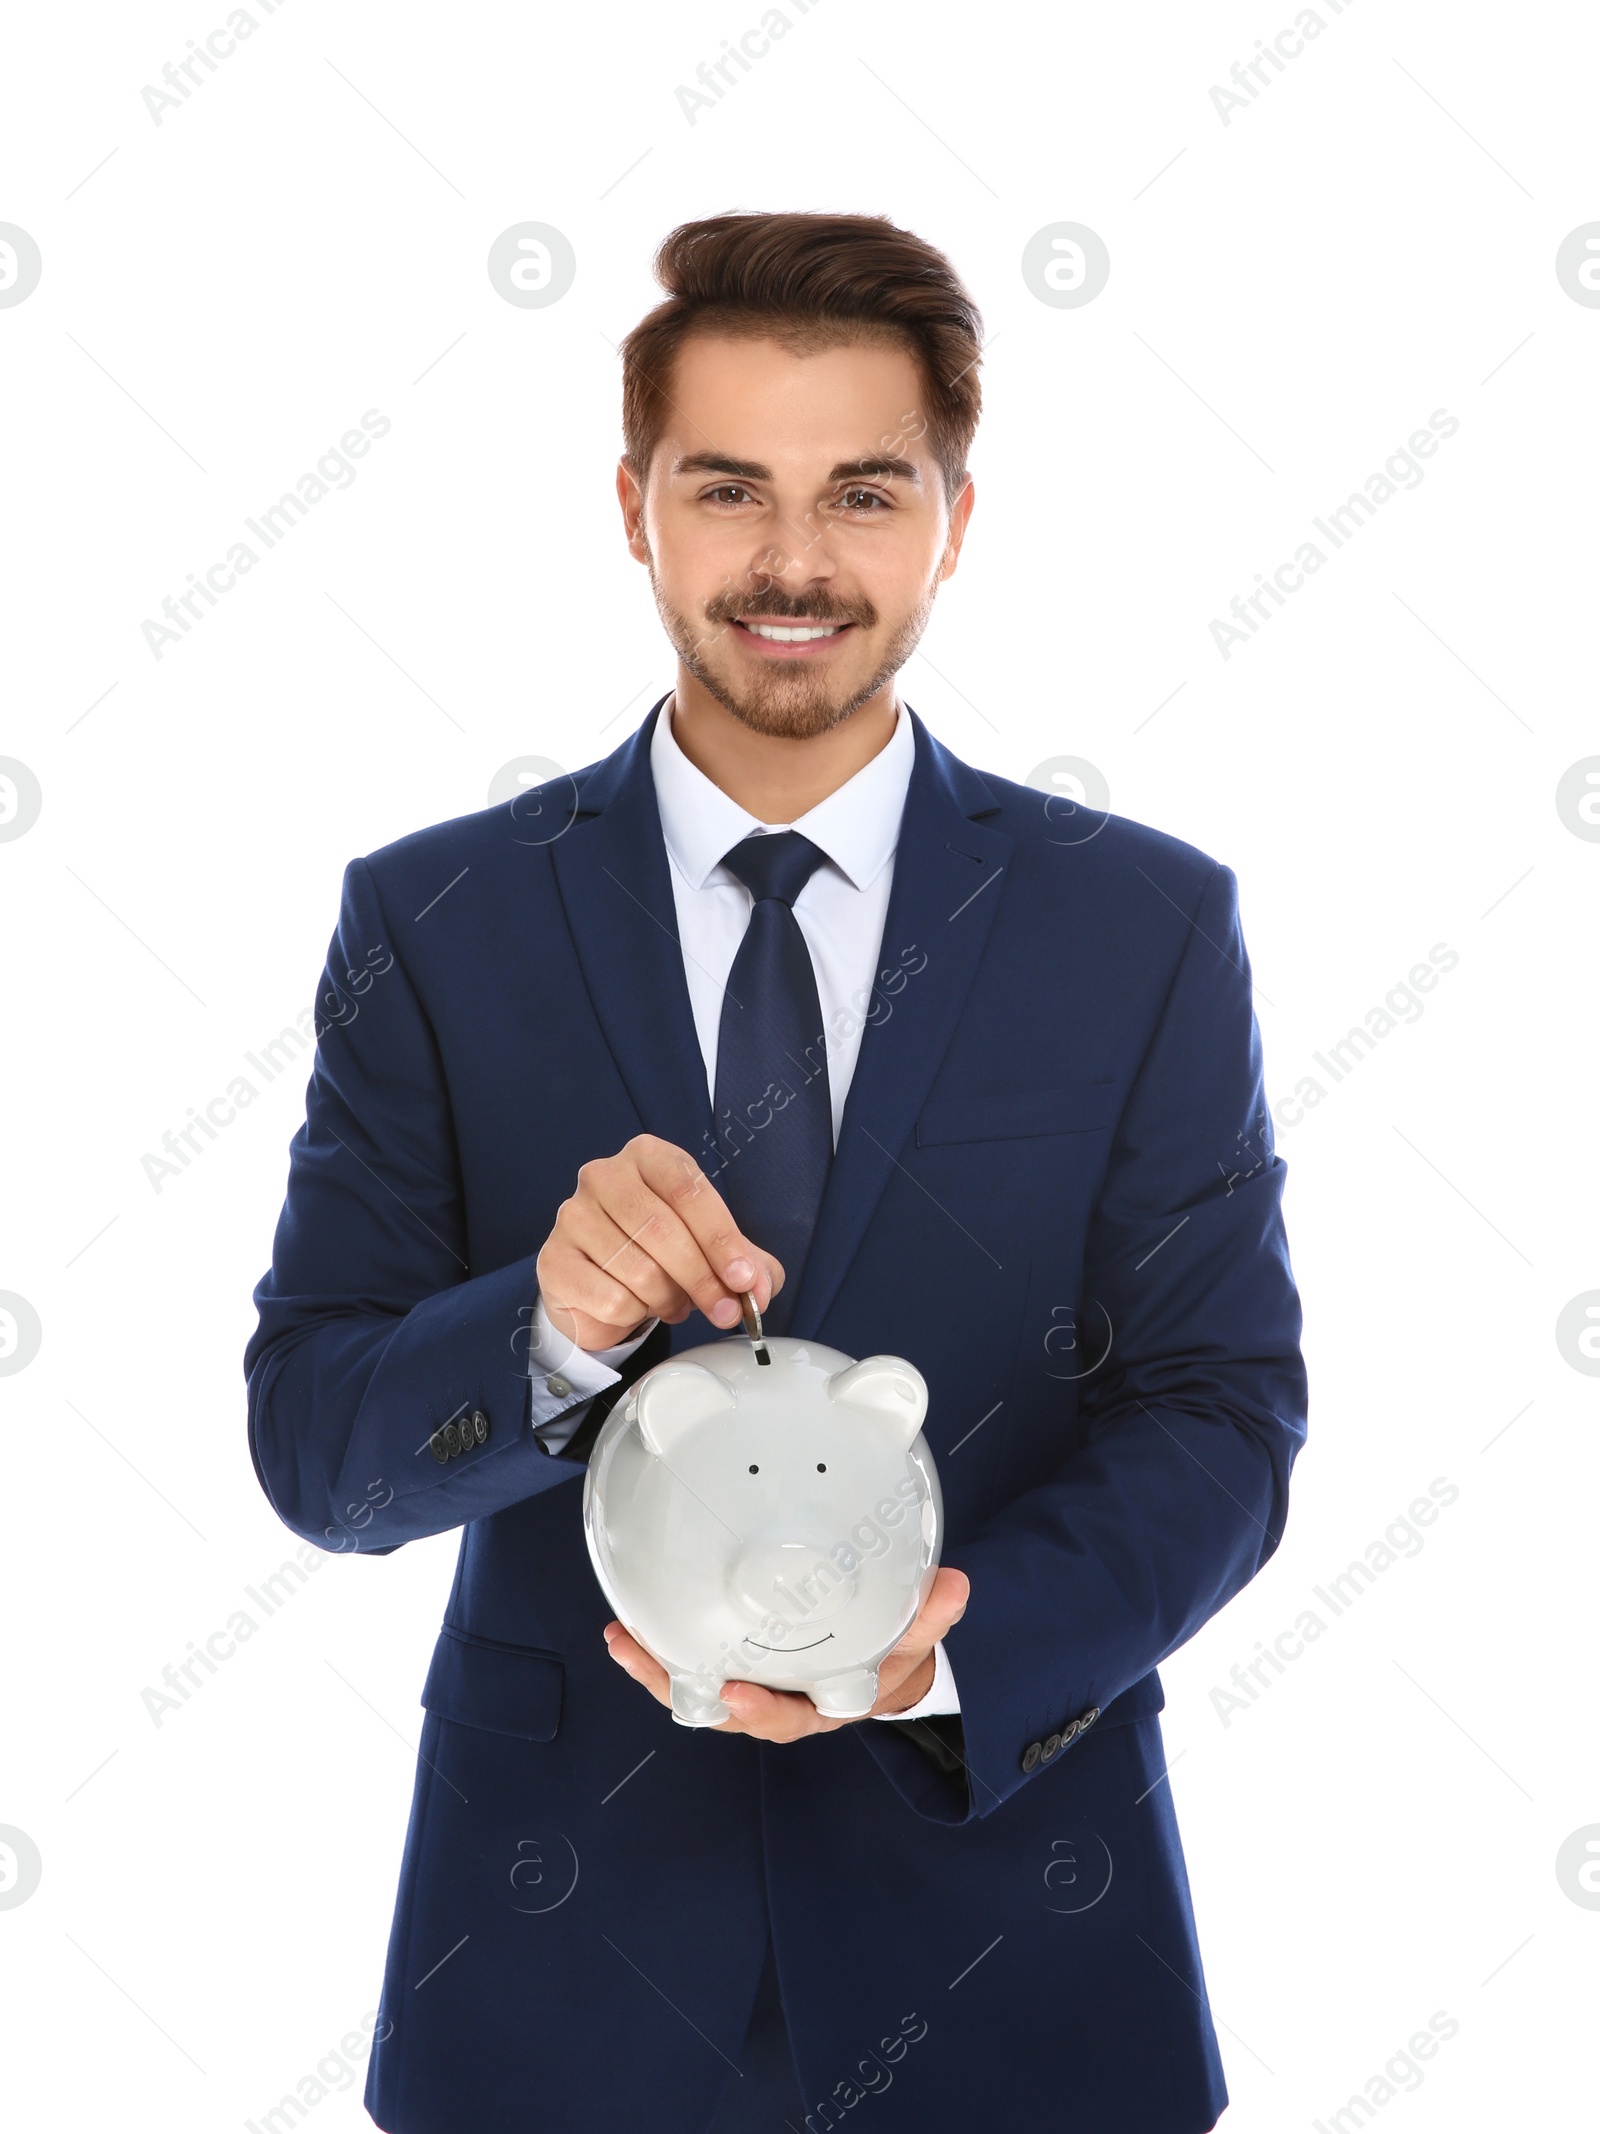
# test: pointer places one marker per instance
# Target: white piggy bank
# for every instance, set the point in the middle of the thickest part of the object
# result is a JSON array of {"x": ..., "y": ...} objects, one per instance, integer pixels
[{"x": 766, "y": 1523}]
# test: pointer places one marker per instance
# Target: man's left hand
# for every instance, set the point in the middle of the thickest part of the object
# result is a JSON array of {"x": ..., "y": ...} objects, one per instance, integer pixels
[{"x": 904, "y": 1677}]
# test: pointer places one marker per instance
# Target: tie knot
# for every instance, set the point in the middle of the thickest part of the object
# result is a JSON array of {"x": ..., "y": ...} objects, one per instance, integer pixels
[{"x": 776, "y": 863}]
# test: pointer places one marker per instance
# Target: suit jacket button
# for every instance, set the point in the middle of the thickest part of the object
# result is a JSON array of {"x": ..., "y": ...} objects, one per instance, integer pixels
[
  {"x": 452, "y": 1440},
  {"x": 558, "y": 1385},
  {"x": 1052, "y": 1742},
  {"x": 436, "y": 1447},
  {"x": 1031, "y": 1755},
  {"x": 1070, "y": 1732},
  {"x": 1091, "y": 1715},
  {"x": 480, "y": 1426}
]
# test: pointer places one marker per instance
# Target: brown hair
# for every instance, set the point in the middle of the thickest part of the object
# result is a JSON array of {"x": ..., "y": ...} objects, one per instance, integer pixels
[{"x": 809, "y": 281}]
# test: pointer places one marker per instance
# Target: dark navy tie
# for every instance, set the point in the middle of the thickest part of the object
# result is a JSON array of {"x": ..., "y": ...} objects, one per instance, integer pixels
[{"x": 774, "y": 1116}]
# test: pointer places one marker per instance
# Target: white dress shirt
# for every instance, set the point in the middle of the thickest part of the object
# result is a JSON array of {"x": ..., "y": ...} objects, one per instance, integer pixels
[{"x": 840, "y": 912}]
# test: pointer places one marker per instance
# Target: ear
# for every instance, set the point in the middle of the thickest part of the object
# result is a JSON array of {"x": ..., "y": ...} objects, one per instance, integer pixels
[
  {"x": 630, "y": 495},
  {"x": 887, "y": 1387},
  {"x": 673, "y": 1398}
]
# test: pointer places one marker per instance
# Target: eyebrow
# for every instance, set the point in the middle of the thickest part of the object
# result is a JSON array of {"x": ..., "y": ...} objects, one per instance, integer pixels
[{"x": 871, "y": 466}]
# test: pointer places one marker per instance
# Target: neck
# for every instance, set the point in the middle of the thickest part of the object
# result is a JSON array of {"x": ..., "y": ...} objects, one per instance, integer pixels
[{"x": 777, "y": 779}]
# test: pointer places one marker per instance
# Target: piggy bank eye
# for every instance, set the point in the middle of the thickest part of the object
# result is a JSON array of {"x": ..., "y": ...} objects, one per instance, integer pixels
[
  {"x": 754, "y": 1469},
  {"x": 822, "y": 1467}
]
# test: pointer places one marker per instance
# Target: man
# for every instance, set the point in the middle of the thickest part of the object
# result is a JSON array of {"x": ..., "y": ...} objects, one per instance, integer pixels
[{"x": 782, "y": 996}]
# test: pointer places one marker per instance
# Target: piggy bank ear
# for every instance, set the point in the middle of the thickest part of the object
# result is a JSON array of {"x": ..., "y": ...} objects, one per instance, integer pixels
[
  {"x": 888, "y": 1388},
  {"x": 674, "y": 1397}
]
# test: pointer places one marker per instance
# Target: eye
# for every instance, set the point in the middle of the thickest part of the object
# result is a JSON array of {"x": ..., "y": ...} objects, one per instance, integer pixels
[
  {"x": 727, "y": 493},
  {"x": 754, "y": 1469},
  {"x": 862, "y": 500},
  {"x": 822, "y": 1467}
]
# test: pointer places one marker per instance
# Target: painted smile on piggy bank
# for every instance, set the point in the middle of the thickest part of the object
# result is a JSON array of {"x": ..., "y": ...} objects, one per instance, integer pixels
[{"x": 779, "y": 1526}]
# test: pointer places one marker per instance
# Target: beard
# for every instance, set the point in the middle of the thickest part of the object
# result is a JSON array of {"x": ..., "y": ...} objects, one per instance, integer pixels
[{"x": 788, "y": 702}]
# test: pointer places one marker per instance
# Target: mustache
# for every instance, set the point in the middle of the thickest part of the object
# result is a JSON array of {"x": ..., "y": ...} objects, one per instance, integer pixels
[{"x": 773, "y": 605}]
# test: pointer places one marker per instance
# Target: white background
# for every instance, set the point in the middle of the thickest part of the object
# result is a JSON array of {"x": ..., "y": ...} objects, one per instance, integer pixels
[{"x": 1291, "y": 295}]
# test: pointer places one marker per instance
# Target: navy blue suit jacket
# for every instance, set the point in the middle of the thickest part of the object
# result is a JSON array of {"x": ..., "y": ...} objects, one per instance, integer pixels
[{"x": 1055, "y": 1192}]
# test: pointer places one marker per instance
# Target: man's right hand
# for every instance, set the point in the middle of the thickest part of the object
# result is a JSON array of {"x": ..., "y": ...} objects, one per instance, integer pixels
[{"x": 647, "y": 1235}]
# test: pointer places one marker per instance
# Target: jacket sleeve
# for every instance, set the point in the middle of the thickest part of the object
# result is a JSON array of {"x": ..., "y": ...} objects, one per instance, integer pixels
[
  {"x": 388, "y": 1388},
  {"x": 1178, "y": 1492}
]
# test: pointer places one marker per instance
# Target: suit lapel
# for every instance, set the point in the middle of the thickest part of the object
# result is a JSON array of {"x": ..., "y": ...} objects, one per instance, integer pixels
[
  {"x": 615, "y": 883},
  {"x": 613, "y": 875},
  {"x": 942, "y": 904}
]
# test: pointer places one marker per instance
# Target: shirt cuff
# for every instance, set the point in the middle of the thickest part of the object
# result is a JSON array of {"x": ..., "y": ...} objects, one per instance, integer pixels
[
  {"x": 941, "y": 1696},
  {"x": 566, "y": 1378}
]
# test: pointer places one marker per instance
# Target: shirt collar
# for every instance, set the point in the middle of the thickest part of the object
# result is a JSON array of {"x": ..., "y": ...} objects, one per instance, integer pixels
[{"x": 857, "y": 825}]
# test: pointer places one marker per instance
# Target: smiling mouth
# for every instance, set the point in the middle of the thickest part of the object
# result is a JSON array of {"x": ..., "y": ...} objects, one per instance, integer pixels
[
  {"x": 792, "y": 633},
  {"x": 815, "y": 1642}
]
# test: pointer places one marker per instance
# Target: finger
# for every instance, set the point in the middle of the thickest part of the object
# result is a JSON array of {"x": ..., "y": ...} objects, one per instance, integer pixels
[
  {"x": 940, "y": 1612},
  {"x": 585, "y": 1304},
  {"x": 632, "y": 1658},
  {"x": 625, "y": 1188},
  {"x": 762, "y": 1712},
  {"x": 735, "y": 1260},
  {"x": 774, "y": 1715},
  {"x": 944, "y": 1607},
  {"x": 615, "y": 1191},
  {"x": 589, "y": 1229}
]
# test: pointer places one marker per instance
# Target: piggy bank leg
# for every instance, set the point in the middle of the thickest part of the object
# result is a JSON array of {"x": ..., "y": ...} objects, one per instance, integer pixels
[
  {"x": 849, "y": 1696},
  {"x": 696, "y": 1704}
]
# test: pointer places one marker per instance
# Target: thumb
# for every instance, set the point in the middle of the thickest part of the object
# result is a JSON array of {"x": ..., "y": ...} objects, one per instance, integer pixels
[
  {"x": 944, "y": 1607},
  {"x": 949, "y": 1595}
]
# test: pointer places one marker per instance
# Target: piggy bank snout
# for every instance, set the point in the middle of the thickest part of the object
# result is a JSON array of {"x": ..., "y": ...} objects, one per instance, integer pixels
[{"x": 796, "y": 1579}]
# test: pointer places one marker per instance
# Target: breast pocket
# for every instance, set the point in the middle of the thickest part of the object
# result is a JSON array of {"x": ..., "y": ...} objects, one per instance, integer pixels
[
  {"x": 1074, "y": 1108},
  {"x": 505, "y": 1689}
]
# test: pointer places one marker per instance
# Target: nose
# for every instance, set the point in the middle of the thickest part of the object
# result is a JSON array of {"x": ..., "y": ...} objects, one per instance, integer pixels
[
  {"x": 794, "y": 1579},
  {"x": 793, "y": 569}
]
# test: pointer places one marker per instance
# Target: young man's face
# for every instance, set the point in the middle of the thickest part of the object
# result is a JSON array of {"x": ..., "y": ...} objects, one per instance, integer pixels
[{"x": 798, "y": 493}]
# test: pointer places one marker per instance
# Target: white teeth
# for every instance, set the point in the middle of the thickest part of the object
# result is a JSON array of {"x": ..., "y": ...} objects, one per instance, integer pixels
[{"x": 797, "y": 636}]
